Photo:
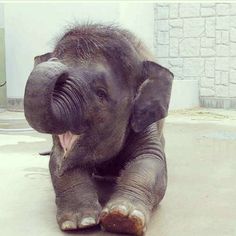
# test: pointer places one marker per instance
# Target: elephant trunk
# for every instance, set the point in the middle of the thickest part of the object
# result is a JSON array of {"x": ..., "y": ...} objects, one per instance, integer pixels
[{"x": 41, "y": 104}]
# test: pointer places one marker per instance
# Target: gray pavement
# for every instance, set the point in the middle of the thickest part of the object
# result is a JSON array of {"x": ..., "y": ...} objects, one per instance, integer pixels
[{"x": 201, "y": 194}]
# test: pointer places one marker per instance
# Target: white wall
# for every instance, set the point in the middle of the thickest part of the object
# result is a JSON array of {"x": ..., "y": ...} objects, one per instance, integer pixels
[
  {"x": 139, "y": 17},
  {"x": 31, "y": 27},
  {"x": 1, "y": 16},
  {"x": 185, "y": 94}
]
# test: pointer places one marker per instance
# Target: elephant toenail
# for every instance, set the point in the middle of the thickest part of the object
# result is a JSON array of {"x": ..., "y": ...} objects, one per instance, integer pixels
[
  {"x": 104, "y": 212},
  {"x": 87, "y": 221},
  {"x": 68, "y": 225},
  {"x": 138, "y": 214},
  {"x": 121, "y": 209}
]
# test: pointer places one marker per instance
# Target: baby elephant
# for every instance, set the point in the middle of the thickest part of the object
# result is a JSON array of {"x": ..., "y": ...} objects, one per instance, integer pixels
[{"x": 103, "y": 99}]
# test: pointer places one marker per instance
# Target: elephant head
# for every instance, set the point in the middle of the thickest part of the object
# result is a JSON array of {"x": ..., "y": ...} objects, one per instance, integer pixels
[{"x": 92, "y": 90}]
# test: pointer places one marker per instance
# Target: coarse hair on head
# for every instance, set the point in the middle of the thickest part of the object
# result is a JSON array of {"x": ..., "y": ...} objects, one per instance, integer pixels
[{"x": 89, "y": 41}]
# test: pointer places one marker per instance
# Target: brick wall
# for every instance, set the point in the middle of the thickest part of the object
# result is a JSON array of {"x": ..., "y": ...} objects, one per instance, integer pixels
[{"x": 198, "y": 42}]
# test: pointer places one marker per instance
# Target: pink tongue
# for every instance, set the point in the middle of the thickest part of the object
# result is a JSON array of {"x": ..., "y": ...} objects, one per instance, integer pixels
[{"x": 67, "y": 139}]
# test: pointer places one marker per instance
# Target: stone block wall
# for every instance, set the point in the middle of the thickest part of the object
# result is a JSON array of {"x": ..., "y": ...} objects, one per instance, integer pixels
[{"x": 197, "y": 41}]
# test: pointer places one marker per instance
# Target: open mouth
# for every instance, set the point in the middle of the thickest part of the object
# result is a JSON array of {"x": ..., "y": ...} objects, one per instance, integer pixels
[{"x": 67, "y": 140}]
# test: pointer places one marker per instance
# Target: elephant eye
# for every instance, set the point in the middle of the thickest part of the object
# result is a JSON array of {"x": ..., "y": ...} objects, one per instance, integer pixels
[{"x": 101, "y": 94}]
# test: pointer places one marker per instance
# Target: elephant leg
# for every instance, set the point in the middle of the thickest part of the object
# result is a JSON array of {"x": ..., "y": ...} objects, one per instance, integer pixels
[
  {"x": 140, "y": 187},
  {"x": 76, "y": 198}
]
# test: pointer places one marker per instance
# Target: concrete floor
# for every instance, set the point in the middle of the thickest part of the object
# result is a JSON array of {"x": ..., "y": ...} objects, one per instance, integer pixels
[{"x": 201, "y": 195}]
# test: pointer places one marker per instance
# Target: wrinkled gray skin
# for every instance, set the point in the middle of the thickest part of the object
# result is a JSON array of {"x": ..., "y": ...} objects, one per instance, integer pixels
[{"x": 100, "y": 89}]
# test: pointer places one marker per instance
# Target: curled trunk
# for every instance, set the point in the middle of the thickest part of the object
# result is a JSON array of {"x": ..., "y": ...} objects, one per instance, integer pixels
[{"x": 42, "y": 106}]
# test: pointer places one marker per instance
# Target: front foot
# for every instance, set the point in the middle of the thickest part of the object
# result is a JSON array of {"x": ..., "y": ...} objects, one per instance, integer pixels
[{"x": 122, "y": 216}]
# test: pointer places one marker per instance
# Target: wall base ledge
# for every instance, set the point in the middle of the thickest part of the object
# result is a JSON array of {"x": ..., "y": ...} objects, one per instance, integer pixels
[{"x": 211, "y": 102}]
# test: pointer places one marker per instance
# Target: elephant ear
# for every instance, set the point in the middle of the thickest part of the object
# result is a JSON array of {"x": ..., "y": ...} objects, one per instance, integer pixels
[
  {"x": 152, "y": 100},
  {"x": 42, "y": 58}
]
